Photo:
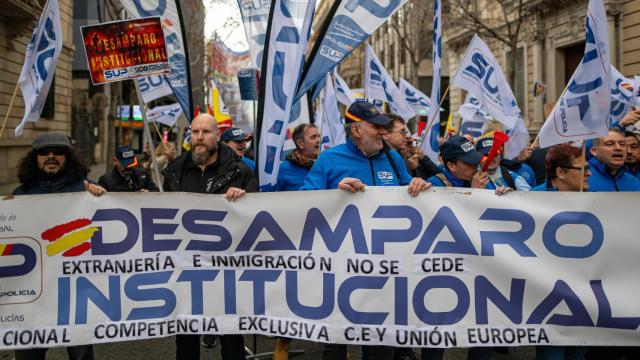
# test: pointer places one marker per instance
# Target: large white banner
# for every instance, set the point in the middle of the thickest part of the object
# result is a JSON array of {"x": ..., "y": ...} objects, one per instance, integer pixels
[
  {"x": 40, "y": 61},
  {"x": 582, "y": 112},
  {"x": 447, "y": 268}
]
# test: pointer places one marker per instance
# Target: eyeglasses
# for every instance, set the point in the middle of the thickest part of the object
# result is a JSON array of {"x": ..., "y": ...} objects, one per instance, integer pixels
[
  {"x": 55, "y": 151},
  {"x": 585, "y": 168}
]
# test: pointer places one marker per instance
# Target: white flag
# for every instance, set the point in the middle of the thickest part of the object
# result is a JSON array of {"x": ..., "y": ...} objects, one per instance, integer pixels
[
  {"x": 167, "y": 115},
  {"x": 41, "y": 58},
  {"x": 480, "y": 74},
  {"x": 379, "y": 85},
  {"x": 474, "y": 117},
  {"x": 287, "y": 47},
  {"x": 582, "y": 112},
  {"x": 429, "y": 143},
  {"x": 518, "y": 140},
  {"x": 622, "y": 99},
  {"x": 343, "y": 93},
  {"x": 420, "y": 102},
  {"x": 332, "y": 130},
  {"x": 154, "y": 87}
]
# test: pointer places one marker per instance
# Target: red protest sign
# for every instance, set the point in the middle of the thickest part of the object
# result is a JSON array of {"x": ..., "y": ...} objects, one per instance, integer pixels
[{"x": 127, "y": 49}]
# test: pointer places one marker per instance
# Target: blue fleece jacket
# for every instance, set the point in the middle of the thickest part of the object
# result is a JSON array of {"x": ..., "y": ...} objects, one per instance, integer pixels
[
  {"x": 250, "y": 163},
  {"x": 290, "y": 176},
  {"x": 600, "y": 180},
  {"x": 435, "y": 181},
  {"x": 346, "y": 160}
]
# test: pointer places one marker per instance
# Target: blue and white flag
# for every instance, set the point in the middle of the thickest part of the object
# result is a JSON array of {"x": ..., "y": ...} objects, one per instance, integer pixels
[
  {"x": 420, "y": 102},
  {"x": 343, "y": 93},
  {"x": 582, "y": 112},
  {"x": 518, "y": 140},
  {"x": 480, "y": 74},
  {"x": 167, "y": 115},
  {"x": 332, "y": 129},
  {"x": 154, "y": 87},
  {"x": 474, "y": 117},
  {"x": 429, "y": 145},
  {"x": 299, "y": 115},
  {"x": 41, "y": 58},
  {"x": 352, "y": 23},
  {"x": 255, "y": 16},
  {"x": 379, "y": 85},
  {"x": 622, "y": 98},
  {"x": 176, "y": 44},
  {"x": 287, "y": 45}
]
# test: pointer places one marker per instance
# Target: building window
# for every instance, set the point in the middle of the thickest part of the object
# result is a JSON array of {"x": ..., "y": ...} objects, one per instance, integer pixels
[
  {"x": 520, "y": 87},
  {"x": 392, "y": 57},
  {"x": 49, "y": 108}
]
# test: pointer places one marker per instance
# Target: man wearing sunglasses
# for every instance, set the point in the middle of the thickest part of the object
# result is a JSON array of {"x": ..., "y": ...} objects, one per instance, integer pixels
[
  {"x": 126, "y": 175},
  {"x": 52, "y": 166}
]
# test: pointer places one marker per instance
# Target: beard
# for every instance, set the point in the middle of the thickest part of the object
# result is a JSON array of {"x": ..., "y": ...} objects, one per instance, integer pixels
[{"x": 201, "y": 157}]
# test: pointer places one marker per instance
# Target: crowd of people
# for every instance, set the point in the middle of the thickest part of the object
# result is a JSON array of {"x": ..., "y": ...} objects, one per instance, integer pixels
[{"x": 379, "y": 151}]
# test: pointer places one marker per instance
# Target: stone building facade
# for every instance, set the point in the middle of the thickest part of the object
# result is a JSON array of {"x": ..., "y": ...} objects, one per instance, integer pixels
[{"x": 17, "y": 20}]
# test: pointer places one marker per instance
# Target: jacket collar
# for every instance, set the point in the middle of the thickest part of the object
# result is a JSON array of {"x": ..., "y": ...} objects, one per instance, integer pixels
[
  {"x": 596, "y": 165},
  {"x": 454, "y": 180},
  {"x": 351, "y": 145}
]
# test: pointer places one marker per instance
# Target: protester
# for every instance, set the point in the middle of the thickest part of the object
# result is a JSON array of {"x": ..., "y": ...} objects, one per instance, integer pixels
[
  {"x": 633, "y": 154},
  {"x": 461, "y": 161},
  {"x": 298, "y": 162},
  {"x": 52, "y": 166},
  {"x": 361, "y": 161},
  {"x": 210, "y": 167},
  {"x": 165, "y": 153},
  {"x": 499, "y": 175},
  {"x": 355, "y": 164},
  {"x": 237, "y": 140},
  {"x": 126, "y": 175},
  {"x": 564, "y": 164},
  {"x": 608, "y": 164}
]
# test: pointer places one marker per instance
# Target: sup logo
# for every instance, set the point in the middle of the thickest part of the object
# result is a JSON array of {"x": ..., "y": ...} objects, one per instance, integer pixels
[{"x": 20, "y": 270}]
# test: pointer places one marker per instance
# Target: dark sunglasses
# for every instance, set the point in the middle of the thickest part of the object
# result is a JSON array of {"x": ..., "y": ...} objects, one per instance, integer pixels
[{"x": 55, "y": 151}]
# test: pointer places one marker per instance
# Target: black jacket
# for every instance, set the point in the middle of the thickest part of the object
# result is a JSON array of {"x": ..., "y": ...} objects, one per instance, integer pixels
[
  {"x": 138, "y": 180},
  {"x": 232, "y": 172},
  {"x": 63, "y": 184}
]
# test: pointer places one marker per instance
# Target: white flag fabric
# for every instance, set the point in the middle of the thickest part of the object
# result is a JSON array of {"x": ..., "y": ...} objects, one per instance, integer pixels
[
  {"x": 167, "y": 115},
  {"x": 299, "y": 115},
  {"x": 332, "y": 130},
  {"x": 474, "y": 117},
  {"x": 518, "y": 140},
  {"x": 41, "y": 59},
  {"x": 582, "y": 112},
  {"x": 154, "y": 87},
  {"x": 622, "y": 98},
  {"x": 287, "y": 47},
  {"x": 429, "y": 145},
  {"x": 379, "y": 85},
  {"x": 343, "y": 93},
  {"x": 255, "y": 16},
  {"x": 480, "y": 74},
  {"x": 636, "y": 90},
  {"x": 420, "y": 102}
]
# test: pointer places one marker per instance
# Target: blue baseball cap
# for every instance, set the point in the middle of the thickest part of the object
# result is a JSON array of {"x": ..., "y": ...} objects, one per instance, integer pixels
[
  {"x": 126, "y": 156},
  {"x": 484, "y": 145},
  {"x": 364, "y": 111},
  {"x": 234, "y": 134},
  {"x": 459, "y": 148}
]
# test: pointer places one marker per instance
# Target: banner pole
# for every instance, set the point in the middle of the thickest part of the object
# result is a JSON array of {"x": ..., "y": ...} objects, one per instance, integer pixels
[
  {"x": 583, "y": 164},
  {"x": 6, "y": 117},
  {"x": 147, "y": 133}
]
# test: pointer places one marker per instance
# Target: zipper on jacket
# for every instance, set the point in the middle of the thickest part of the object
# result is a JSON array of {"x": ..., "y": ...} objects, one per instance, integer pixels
[{"x": 373, "y": 177}]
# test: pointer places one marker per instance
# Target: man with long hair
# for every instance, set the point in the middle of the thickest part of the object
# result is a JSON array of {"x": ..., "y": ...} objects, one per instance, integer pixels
[{"x": 52, "y": 166}]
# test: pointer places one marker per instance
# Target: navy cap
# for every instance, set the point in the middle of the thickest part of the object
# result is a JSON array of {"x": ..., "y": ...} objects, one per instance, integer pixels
[
  {"x": 484, "y": 145},
  {"x": 51, "y": 140},
  {"x": 234, "y": 134},
  {"x": 360, "y": 111},
  {"x": 459, "y": 148},
  {"x": 126, "y": 156}
]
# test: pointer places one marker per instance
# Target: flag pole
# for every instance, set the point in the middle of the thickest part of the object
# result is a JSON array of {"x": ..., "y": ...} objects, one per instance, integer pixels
[
  {"x": 147, "y": 133},
  {"x": 583, "y": 164},
  {"x": 4, "y": 123},
  {"x": 429, "y": 123}
]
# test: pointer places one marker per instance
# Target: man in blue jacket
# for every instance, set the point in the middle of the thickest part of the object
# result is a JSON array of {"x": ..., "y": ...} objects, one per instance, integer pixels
[
  {"x": 361, "y": 161},
  {"x": 294, "y": 169},
  {"x": 608, "y": 172}
]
